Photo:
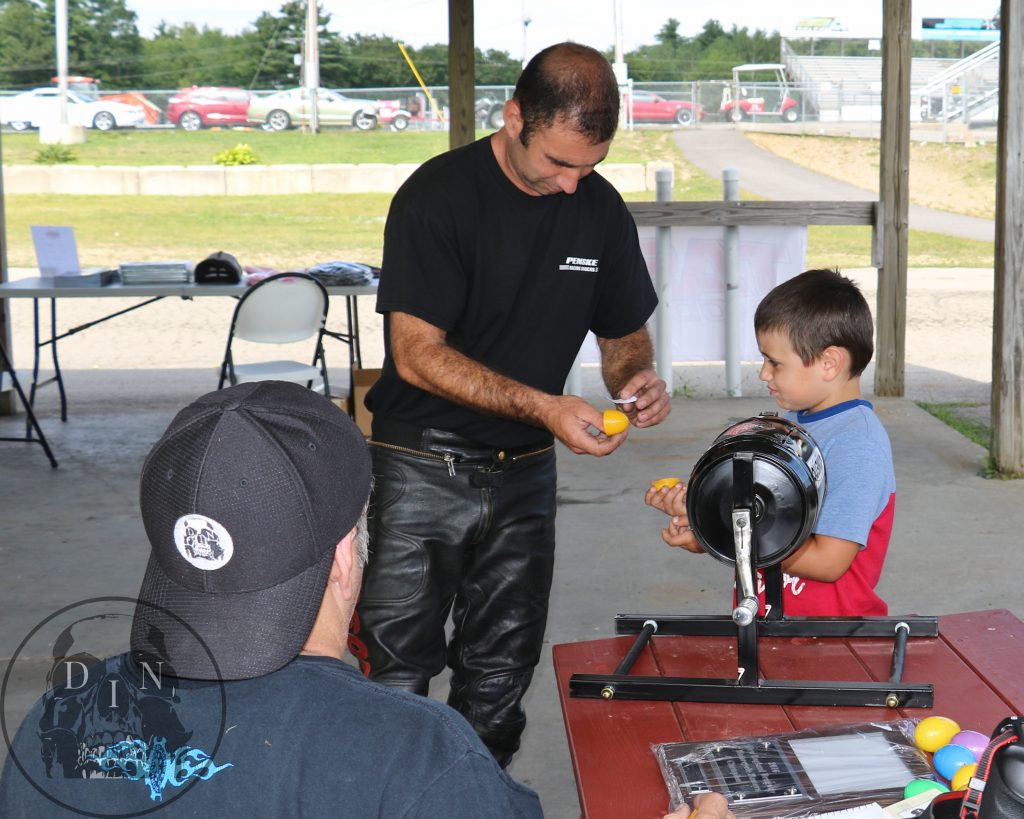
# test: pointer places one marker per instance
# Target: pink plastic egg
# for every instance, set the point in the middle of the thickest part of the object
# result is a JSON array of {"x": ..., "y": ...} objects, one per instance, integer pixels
[{"x": 975, "y": 741}]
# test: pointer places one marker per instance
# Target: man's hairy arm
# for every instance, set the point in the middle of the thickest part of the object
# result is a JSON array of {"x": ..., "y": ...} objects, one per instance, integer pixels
[
  {"x": 424, "y": 359},
  {"x": 627, "y": 365}
]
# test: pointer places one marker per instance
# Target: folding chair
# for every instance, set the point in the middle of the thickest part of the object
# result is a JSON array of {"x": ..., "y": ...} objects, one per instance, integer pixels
[{"x": 281, "y": 309}]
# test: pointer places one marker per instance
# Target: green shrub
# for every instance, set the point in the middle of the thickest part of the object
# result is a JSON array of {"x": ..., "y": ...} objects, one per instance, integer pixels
[
  {"x": 241, "y": 154},
  {"x": 54, "y": 155}
]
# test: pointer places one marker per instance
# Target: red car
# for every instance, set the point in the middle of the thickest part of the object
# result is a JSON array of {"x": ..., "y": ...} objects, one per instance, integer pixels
[
  {"x": 197, "y": 107},
  {"x": 651, "y": 107}
]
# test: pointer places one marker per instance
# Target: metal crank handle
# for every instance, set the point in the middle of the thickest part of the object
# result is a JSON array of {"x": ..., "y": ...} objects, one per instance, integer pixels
[{"x": 748, "y": 607}]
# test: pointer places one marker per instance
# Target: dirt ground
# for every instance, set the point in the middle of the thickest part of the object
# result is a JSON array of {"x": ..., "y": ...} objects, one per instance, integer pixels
[{"x": 955, "y": 178}]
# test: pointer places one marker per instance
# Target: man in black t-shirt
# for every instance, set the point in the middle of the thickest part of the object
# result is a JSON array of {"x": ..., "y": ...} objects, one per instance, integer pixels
[
  {"x": 234, "y": 699},
  {"x": 499, "y": 257}
]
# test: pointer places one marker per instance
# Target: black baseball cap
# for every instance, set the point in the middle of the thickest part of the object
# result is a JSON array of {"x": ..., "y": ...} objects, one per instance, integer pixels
[{"x": 244, "y": 499}]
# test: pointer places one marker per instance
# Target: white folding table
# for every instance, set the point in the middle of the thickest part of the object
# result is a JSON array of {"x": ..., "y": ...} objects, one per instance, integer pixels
[{"x": 38, "y": 288}]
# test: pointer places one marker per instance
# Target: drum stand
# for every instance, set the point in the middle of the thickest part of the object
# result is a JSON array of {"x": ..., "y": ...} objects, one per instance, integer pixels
[{"x": 748, "y": 626}]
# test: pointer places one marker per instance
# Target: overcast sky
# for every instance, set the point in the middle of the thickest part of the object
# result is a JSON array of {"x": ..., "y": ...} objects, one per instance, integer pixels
[{"x": 499, "y": 23}]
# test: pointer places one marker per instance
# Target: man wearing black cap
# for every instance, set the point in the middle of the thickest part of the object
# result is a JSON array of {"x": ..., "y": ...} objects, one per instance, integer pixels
[{"x": 233, "y": 700}]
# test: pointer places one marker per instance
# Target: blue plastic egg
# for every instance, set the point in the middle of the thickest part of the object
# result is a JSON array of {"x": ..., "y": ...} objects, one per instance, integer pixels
[{"x": 949, "y": 758}]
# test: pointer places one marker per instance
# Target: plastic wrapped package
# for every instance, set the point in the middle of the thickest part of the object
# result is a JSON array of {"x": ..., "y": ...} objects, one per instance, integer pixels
[{"x": 799, "y": 774}]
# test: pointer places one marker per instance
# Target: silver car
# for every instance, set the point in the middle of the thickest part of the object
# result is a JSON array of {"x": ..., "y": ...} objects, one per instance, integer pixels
[{"x": 286, "y": 109}]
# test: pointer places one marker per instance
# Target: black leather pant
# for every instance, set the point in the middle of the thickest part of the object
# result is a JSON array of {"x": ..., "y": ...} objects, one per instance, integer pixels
[{"x": 460, "y": 529}]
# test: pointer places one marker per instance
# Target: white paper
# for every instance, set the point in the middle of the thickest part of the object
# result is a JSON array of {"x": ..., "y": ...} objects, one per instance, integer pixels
[
  {"x": 56, "y": 252},
  {"x": 869, "y": 811}
]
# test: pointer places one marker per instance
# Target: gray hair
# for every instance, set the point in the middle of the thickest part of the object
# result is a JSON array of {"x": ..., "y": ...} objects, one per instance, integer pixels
[{"x": 362, "y": 539}]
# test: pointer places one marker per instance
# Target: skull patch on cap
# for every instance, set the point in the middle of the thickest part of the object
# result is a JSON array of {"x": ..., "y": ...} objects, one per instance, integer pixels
[{"x": 203, "y": 542}]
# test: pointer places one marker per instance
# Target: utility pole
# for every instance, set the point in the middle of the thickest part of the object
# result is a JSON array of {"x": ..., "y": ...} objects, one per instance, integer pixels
[
  {"x": 311, "y": 64},
  {"x": 61, "y": 31},
  {"x": 619, "y": 66},
  {"x": 526, "y": 22}
]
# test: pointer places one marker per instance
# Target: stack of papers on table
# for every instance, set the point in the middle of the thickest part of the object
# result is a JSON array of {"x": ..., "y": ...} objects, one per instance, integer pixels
[
  {"x": 89, "y": 277},
  {"x": 176, "y": 272}
]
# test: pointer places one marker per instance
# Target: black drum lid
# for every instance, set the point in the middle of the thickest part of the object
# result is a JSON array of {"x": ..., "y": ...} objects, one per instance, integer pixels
[{"x": 788, "y": 489}]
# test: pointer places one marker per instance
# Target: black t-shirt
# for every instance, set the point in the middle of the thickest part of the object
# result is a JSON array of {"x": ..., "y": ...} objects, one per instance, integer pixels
[
  {"x": 515, "y": 280},
  {"x": 313, "y": 739}
]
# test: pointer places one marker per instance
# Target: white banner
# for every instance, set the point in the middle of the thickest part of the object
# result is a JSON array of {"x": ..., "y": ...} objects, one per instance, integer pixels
[{"x": 768, "y": 255}]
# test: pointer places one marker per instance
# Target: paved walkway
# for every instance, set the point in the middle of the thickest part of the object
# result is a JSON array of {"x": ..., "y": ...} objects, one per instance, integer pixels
[
  {"x": 715, "y": 147},
  {"x": 74, "y": 533}
]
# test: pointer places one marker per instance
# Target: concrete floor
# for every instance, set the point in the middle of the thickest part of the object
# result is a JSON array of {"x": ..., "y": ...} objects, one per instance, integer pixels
[{"x": 73, "y": 533}]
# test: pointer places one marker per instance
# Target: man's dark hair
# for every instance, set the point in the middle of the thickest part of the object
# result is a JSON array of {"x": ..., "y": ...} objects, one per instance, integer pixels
[
  {"x": 571, "y": 83},
  {"x": 816, "y": 310}
]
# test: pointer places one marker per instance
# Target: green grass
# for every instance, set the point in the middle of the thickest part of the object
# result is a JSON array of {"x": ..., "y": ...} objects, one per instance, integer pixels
[
  {"x": 279, "y": 231},
  {"x": 975, "y": 431},
  {"x": 688, "y": 183},
  {"x": 950, "y": 413},
  {"x": 844, "y": 246},
  {"x": 305, "y": 229},
  {"x": 175, "y": 147}
]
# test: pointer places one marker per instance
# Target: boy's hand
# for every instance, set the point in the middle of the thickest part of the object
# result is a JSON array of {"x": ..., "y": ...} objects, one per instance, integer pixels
[
  {"x": 678, "y": 533},
  {"x": 673, "y": 502},
  {"x": 670, "y": 501}
]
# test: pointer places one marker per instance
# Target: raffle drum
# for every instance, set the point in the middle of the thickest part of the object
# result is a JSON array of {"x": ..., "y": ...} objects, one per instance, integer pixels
[
  {"x": 762, "y": 478},
  {"x": 753, "y": 499},
  {"x": 789, "y": 487}
]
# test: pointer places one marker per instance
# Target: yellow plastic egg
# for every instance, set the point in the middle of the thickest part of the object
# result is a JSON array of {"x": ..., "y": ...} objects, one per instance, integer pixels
[
  {"x": 664, "y": 483},
  {"x": 962, "y": 778},
  {"x": 615, "y": 422},
  {"x": 934, "y": 732}
]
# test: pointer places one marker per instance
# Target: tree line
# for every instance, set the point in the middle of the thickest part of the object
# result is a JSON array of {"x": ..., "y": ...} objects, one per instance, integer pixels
[{"x": 104, "y": 43}]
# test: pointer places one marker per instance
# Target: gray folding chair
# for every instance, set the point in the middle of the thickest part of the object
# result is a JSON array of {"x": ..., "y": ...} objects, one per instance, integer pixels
[{"x": 281, "y": 309}]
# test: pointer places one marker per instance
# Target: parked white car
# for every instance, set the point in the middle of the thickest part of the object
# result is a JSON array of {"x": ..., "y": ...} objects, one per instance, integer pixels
[{"x": 32, "y": 108}]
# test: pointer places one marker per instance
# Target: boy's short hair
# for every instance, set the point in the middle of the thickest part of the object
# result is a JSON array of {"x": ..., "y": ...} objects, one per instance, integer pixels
[{"x": 819, "y": 309}]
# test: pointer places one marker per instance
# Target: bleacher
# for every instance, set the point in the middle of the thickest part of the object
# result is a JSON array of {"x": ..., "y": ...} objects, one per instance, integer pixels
[{"x": 849, "y": 88}]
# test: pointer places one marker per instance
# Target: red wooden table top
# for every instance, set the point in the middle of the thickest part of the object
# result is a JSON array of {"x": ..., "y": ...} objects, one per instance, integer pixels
[{"x": 975, "y": 665}]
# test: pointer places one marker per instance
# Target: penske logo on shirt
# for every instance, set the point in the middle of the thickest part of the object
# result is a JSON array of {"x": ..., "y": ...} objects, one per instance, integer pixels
[{"x": 576, "y": 263}]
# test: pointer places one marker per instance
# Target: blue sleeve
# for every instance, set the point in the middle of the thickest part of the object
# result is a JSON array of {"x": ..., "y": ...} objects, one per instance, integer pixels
[
  {"x": 858, "y": 487},
  {"x": 476, "y": 788}
]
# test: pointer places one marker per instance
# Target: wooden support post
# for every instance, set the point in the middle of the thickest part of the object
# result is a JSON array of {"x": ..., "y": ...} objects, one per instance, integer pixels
[
  {"x": 1008, "y": 308},
  {"x": 6, "y": 401},
  {"x": 894, "y": 193},
  {"x": 461, "y": 73}
]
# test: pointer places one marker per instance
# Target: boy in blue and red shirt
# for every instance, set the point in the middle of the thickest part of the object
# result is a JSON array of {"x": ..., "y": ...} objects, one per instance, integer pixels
[{"x": 816, "y": 336}]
